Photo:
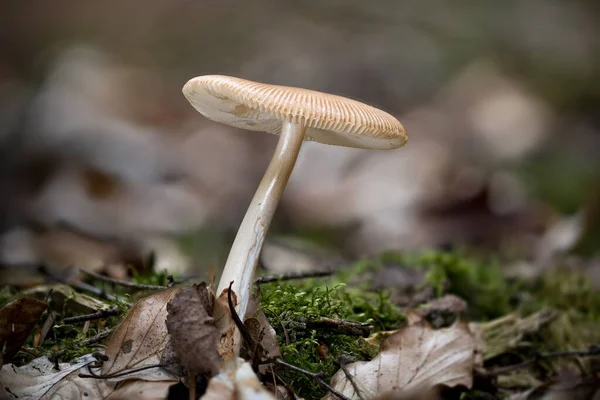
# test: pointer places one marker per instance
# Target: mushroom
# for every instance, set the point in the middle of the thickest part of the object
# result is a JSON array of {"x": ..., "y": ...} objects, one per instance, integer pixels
[{"x": 296, "y": 115}]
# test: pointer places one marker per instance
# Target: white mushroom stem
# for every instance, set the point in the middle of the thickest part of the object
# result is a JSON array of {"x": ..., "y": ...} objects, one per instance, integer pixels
[{"x": 245, "y": 251}]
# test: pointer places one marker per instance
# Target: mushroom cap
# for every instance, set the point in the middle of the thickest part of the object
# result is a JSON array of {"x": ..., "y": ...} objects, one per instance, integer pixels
[{"x": 329, "y": 119}]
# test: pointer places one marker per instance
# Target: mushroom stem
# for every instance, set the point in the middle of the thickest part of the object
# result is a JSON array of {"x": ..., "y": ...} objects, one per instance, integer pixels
[{"x": 245, "y": 251}]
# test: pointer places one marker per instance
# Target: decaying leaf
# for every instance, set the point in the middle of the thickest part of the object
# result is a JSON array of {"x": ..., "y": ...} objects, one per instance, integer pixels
[
  {"x": 236, "y": 381},
  {"x": 141, "y": 339},
  {"x": 39, "y": 380},
  {"x": 192, "y": 329},
  {"x": 65, "y": 297},
  {"x": 507, "y": 332},
  {"x": 415, "y": 358},
  {"x": 17, "y": 318}
]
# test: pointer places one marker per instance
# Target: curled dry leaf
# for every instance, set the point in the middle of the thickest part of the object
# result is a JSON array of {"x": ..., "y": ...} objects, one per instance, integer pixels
[
  {"x": 236, "y": 381},
  {"x": 17, "y": 318},
  {"x": 39, "y": 380},
  {"x": 193, "y": 332},
  {"x": 415, "y": 358},
  {"x": 141, "y": 339}
]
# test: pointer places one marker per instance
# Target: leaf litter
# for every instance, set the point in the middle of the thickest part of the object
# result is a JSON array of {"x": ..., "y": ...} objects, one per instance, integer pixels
[
  {"x": 415, "y": 358},
  {"x": 142, "y": 339},
  {"x": 192, "y": 329},
  {"x": 17, "y": 319},
  {"x": 40, "y": 380}
]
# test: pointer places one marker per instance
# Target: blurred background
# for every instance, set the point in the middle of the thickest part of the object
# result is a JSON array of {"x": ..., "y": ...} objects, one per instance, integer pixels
[{"x": 103, "y": 161}]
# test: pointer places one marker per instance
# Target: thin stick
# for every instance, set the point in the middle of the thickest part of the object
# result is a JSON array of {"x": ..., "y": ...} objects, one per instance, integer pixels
[
  {"x": 98, "y": 337},
  {"x": 86, "y": 342},
  {"x": 192, "y": 385},
  {"x": 594, "y": 350},
  {"x": 93, "y": 316},
  {"x": 92, "y": 374},
  {"x": 339, "y": 326},
  {"x": 350, "y": 378},
  {"x": 238, "y": 322},
  {"x": 119, "y": 282},
  {"x": 313, "y": 375},
  {"x": 291, "y": 275},
  {"x": 48, "y": 324}
]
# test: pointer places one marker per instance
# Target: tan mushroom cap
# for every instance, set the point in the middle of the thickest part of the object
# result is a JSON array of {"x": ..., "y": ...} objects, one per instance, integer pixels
[{"x": 329, "y": 119}]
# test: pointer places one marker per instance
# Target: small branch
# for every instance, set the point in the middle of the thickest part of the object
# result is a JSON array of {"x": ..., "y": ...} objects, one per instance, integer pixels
[
  {"x": 313, "y": 375},
  {"x": 119, "y": 282},
  {"x": 291, "y": 275},
  {"x": 594, "y": 350},
  {"x": 238, "y": 322},
  {"x": 351, "y": 379},
  {"x": 92, "y": 374},
  {"x": 86, "y": 342},
  {"x": 48, "y": 324},
  {"x": 93, "y": 316},
  {"x": 338, "y": 326},
  {"x": 98, "y": 337}
]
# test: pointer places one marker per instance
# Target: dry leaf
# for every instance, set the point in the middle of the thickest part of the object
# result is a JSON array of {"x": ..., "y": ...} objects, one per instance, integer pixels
[
  {"x": 236, "y": 381},
  {"x": 142, "y": 390},
  {"x": 193, "y": 332},
  {"x": 65, "y": 297},
  {"x": 17, "y": 318},
  {"x": 40, "y": 380},
  {"x": 415, "y": 358},
  {"x": 141, "y": 338}
]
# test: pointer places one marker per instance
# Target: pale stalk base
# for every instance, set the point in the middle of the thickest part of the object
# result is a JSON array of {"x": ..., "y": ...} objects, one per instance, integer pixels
[{"x": 245, "y": 251}]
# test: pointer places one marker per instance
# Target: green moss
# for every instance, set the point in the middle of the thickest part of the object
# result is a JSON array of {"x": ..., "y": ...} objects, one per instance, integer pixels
[
  {"x": 289, "y": 305},
  {"x": 480, "y": 282}
]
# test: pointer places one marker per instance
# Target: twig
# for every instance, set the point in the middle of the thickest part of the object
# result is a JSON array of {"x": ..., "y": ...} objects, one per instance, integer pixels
[
  {"x": 339, "y": 326},
  {"x": 93, "y": 316},
  {"x": 119, "y": 282},
  {"x": 313, "y": 375},
  {"x": 594, "y": 350},
  {"x": 192, "y": 385},
  {"x": 98, "y": 337},
  {"x": 86, "y": 342},
  {"x": 291, "y": 275},
  {"x": 349, "y": 376},
  {"x": 238, "y": 322},
  {"x": 123, "y": 373},
  {"x": 48, "y": 324}
]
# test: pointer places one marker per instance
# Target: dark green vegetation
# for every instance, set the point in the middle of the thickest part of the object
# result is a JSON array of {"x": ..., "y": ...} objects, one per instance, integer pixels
[{"x": 350, "y": 295}]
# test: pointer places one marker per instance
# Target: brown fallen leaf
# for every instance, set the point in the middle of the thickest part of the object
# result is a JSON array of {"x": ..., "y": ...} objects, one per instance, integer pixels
[
  {"x": 415, "y": 358},
  {"x": 17, "y": 318},
  {"x": 236, "y": 381},
  {"x": 193, "y": 332},
  {"x": 142, "y": 338}
]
